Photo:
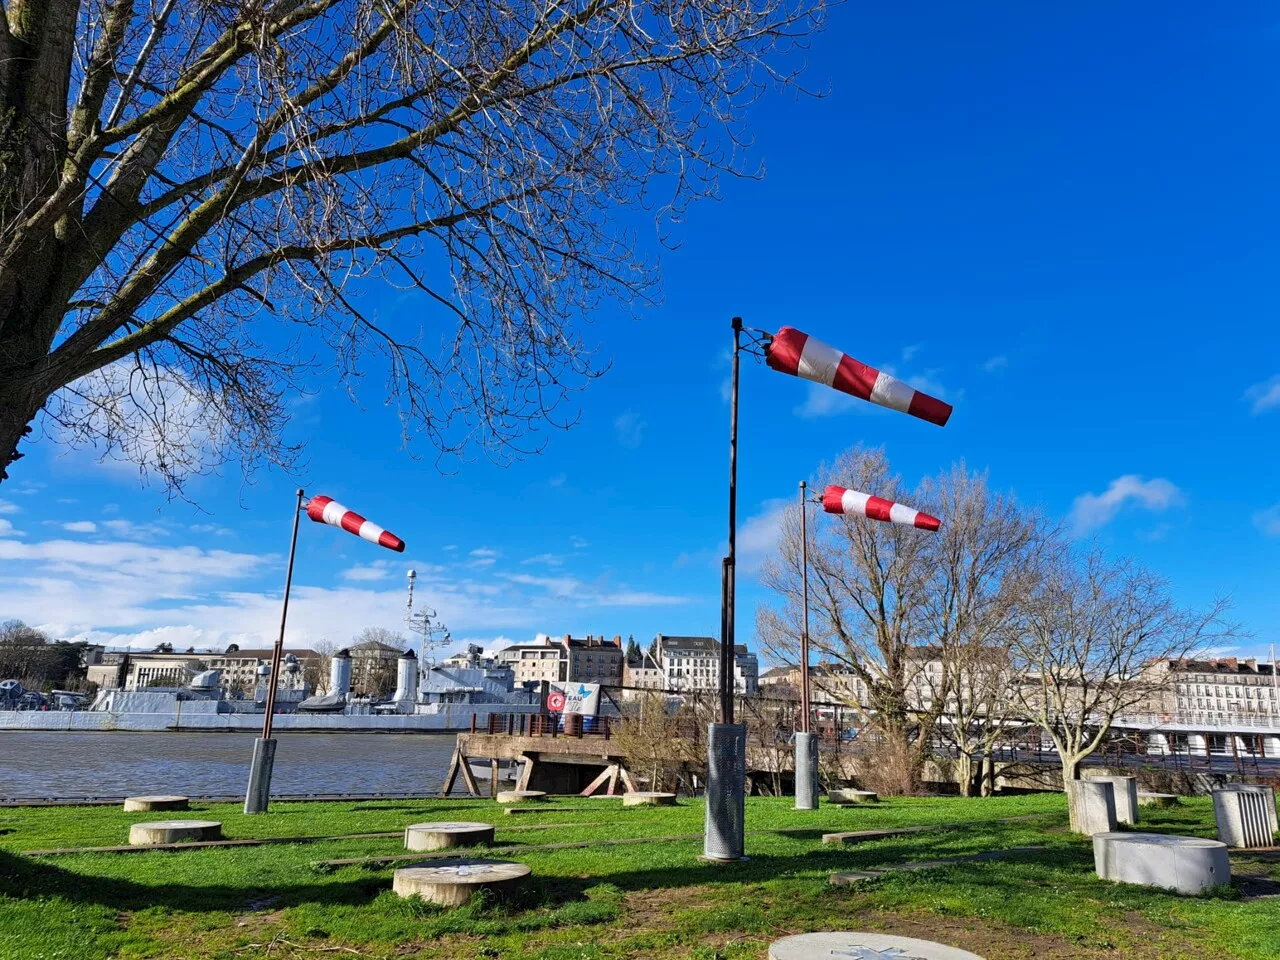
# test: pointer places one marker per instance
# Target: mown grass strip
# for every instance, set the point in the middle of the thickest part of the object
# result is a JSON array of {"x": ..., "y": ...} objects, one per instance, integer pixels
[{"x": 530, "y": 848}]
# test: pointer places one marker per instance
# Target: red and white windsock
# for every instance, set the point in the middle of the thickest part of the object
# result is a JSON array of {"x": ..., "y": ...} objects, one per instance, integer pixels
[
  {"x": 802, "y": 356},
  {"x": 327, "y": 510},
  {"x": 839, "y": 500}
]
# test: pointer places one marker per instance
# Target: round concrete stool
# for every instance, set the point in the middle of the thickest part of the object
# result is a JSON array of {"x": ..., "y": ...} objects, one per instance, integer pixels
[
  {"x": 846, "y": 797},
  {"x": 1184, "y": 864},
  {"x": 1157, "y": 799},
  {"x": 151, "y": 804},
  {"x": 174, "y": 831},
  {"x": 446, "y": 836},
  {"x": 862, "y": 946},
  {"x": 521, "y": 796},
  {"x": 451, "y": 882},
  {"x": 648, "y": 799}
]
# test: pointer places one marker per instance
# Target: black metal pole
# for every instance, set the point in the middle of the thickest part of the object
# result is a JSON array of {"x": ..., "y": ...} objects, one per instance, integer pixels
[
  {"x": 730, "y": 580},
  {"x": 804, "y": 630},
  {"x": 278, "y": 652}
]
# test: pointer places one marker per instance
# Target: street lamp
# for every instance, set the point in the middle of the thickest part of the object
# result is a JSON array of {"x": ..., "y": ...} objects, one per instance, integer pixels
[
  {"x": 837, "y": 500},
  {"x": 792, "y": 352}
]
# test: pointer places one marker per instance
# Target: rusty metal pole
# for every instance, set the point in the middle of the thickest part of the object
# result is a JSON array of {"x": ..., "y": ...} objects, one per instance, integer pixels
[{"x": 258, "y": 795}]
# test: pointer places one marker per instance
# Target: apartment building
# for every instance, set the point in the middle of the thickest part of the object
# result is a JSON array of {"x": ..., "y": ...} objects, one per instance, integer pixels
[
  {"x": 535, "y": 662},
  {"x": 693, "y": 663},
  {"x": 594, "y": 659}
]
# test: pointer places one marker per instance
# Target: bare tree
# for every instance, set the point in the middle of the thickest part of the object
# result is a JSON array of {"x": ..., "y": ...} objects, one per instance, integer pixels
[
  {"x": 903, "y": 612},
  {"x": 1095, "y": 641},
  {"x": 194, "y": 196}
]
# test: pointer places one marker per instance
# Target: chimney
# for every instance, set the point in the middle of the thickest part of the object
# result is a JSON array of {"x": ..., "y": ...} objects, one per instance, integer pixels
[{"x": 1232, "y": 663}]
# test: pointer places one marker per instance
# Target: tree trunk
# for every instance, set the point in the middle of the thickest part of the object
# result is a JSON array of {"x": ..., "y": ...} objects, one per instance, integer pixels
[
  {"x": 988, "y": 774},
  {"x": 1070, "y": 771},
  {"x": 964, "y": 772}
]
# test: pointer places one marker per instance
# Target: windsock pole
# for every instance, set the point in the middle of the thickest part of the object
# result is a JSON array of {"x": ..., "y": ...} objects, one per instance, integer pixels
[
  {"x": 278, "y": 652},
  {"x": 257, "y": 796}
]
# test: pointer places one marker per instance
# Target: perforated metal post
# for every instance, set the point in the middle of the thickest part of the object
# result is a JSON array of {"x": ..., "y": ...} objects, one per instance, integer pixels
[
  {"x": 806, "y": 742},
  {"x": 727, "y": 741}
]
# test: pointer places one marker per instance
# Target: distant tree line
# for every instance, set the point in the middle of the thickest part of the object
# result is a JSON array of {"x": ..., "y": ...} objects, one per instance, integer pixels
[{"x": 37, "y": 661}]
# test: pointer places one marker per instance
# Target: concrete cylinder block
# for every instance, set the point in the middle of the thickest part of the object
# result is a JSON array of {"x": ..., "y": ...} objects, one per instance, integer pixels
[
  {"x": 824, "y": 946},
  {"x": 521, "y": 796},
  {"x": 1093, "y": 803},
  {"x": 846, "y": 797},
  {"x": 648, "y": 799},
  {"x": 1266, "y": 791},
  {"x": 1185, "y": 864},
  {"x": 806, "y": 771},
  {"x": 1245, "y": 818},
  {"x": 447, "y": 836},
  {"x": 155, "y": 803},
  {"x": 724, "y": 831},
  {"x": 174, "y": 831},
  {"x": 1125, "y": 790},
  {"x": 452, "y": 882},
  {"x": 1157, "y": 799}
]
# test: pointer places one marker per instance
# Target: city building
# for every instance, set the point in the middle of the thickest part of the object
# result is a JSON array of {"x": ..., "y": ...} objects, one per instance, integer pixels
[
  {"x": 536, "y": 662},
  {"x": 239, "y": 668},
  {"x": 642, "y": 672},
  {"x": 594, "y": 659},
  {"x": 693, "y": 663},
  {"x": 373, "y": 668},
  {"x": 1218, "y": 692},
  {"x": 780, "y": 681}
]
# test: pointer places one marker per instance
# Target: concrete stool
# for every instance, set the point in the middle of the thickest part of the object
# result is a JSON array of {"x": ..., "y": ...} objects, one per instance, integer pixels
[
  {"x": 1094, "y": 802},
  {"x": 151, "y": 804},
  {"x": 1245, "y": 818},
  {"x": 1262, "y": 788},
  {"x": 872, "y": 946},
  {"x": 452, "y": 882},
  {"x": 446, "y": 836},
  {"x": 521, "y": 796},
  {"x": 1125, "y": 791},
  {"x": 1157, "y": 799},
  {"x": 846, "y": 798},
  {"x": 174, "y": 831},
  {"x": 1184, "y": 864},
  {"x": 648, "y": 799}
]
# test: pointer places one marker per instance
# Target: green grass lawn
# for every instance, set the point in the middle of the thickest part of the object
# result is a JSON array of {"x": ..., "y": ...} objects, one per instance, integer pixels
[{"x": 638, "y": 900}]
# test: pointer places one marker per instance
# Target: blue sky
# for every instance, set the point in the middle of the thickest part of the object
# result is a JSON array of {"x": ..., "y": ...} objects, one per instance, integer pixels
[{"x": 1062, "y": 219}]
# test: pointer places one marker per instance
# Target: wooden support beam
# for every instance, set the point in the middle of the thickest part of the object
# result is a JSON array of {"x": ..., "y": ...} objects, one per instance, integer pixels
[
  {"x": 468, "y": 777},
  {"x": 493, "y": 778},
  {"x": 605, "y": 774},
  {"x": 613, "y": 779},
  {"x": 452, "y": 775},
  {"x": 526, "y": 774},
  {"x": 626, "y": 779}
]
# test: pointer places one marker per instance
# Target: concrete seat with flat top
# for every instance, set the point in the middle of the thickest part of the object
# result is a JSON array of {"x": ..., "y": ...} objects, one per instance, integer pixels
[
  {"x": 451, "y": 883},
  {"x": 845, "y": 798},
  {"x": 447, "y": 835},
  {"x": 155, "y": 803},
  {"x": 174, "y": 831},
  {"x": 648, "y": 798},
  {"x": 863, "y": 946},
  {"x": 521, "y": 796},
  {"x": 1185, "y": 864}
]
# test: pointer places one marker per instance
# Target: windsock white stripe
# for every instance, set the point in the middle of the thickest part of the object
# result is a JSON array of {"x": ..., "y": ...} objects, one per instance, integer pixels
[
  {"x": 819, "y": 362},
  {"x": 854, "y": 502},
  {"x": 327, "y": 510},
  {"x": 904, "y": 515},
  {"x": 800, "y": 355}
]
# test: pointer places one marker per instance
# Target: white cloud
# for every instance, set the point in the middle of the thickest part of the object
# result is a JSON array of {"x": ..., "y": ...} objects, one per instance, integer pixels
[
  {"x": 550, "y": 559},
  {"x": 578, "y": 543},
  {"x": 558, "y": 480},
  {"x": 1268, "y": 521},
  {"x": 996, "y": 363},
  {"x": 7, "y": 530},
  {"x": 8, "y": 507},
  {"x": 1264, "y": 396},
  {"x": 378, "y": 570},
  {"x": 593, "y": 595},
  {"x": 135, "y": 531},
  {"x": 484, "y": 552},
  {"x": 81, "y": 526},
  {"x": 630, "y": 428},
  {"x": 758, "y": 536},
  {"x": 1093, "y": 510},
  {"x": 910, "y": 351},
  {"x": 215, "y": 529}
]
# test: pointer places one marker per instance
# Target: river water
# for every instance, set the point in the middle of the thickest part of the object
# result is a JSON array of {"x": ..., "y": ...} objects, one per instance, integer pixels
[{"x": 75, "y": 764}]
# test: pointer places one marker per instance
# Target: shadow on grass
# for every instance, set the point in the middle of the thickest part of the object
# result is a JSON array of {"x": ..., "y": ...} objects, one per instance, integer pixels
[{"x": 33, "y": 878}]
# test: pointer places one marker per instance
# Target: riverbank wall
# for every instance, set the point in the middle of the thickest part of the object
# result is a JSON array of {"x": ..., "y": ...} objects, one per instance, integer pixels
[{"x": 195, "y": 717}]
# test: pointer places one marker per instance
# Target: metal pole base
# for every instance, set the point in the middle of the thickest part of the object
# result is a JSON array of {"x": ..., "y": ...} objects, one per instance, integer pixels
[
  {"x": 806, "y": 771},
  {"x": 258, "y": 796},
  {"x": 726, "y": 801}
]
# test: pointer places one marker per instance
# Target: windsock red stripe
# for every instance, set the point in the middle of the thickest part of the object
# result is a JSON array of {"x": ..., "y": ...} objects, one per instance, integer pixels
[
  {"x": 853, "y": 503},
  {"x": 800, "y": 355},
  {"x": 327, "y": 510}
]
